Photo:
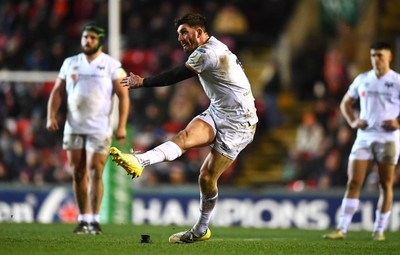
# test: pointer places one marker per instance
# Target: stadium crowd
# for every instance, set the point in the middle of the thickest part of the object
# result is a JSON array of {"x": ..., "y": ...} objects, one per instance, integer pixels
[{"x": 38, "y": 35}]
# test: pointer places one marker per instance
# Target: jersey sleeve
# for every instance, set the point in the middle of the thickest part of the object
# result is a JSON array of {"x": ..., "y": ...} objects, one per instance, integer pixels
[
  {"x": 201, "y": 59},
  {"x": 63, "y": 70},
  {"x": 118, "y": 74},
  {"x": 353, "y": 88}
]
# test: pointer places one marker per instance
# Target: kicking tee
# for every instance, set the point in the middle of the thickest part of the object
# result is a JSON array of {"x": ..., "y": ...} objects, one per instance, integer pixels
[{"x": 90, "y": 89}]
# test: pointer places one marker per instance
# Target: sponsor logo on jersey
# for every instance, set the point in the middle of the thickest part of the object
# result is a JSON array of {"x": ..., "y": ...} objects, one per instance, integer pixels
[{"x": 194, "y": 58}]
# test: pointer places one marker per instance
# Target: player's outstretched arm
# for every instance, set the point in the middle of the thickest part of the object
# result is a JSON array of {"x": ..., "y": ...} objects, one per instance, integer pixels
[
  {"x": 166, "y": 78},
  {"x": 133, "y": 81}
]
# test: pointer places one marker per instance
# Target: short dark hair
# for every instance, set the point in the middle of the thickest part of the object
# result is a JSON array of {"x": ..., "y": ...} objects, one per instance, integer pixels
[
  {"x": 380, "y": 45},
  {"x": 193, "y": 20}
]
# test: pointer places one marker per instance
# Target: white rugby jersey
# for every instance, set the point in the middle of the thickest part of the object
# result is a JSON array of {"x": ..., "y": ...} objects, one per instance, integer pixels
[
  {"x": 224, "y": 81},
  {"x": 89, "y": 89},
  {"x": 379, "y": 101}
]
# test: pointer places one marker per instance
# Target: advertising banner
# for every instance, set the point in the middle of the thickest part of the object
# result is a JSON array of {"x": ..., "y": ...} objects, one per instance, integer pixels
[{"x": 164, "y": 208}]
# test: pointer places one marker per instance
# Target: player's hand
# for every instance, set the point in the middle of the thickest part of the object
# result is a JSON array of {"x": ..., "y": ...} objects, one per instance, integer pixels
[
  {"x": 359, "y": 123},
  {"x": 120, "y": 134},
  {"x": 133, "y": 81},
  {"x": 390, "y": 125},
  {"x": 51, "y": 124}
]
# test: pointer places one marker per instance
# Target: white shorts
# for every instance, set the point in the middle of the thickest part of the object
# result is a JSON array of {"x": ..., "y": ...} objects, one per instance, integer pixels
[
  {"x": 230, "y": 137},
  {"x": 93, "y": 143},
  {"x": 381, "y": 151}
]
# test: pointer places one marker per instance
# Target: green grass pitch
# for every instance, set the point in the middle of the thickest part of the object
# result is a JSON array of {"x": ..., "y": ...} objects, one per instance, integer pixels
[{"x": 46, "y": 239}]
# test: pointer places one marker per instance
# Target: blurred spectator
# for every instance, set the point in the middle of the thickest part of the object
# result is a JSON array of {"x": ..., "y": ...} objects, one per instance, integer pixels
[
  {"x": 308, "y": 68},
  {"x": 331, "y": 173},
  {"x": 335, "y": 74},
  {"x": 309, "y": 137},
  {"x": 4, "y": 174},
  {"x": 56, "y": 55},
  {"x": 231, "y": 25},
  {"x": 272, "y": 88},
  {"x": 136, "y": 36},
  {"x": 229, "y": 20},
  {"x": 36, "y": 59},
  {"x": 334, "y": 169}
]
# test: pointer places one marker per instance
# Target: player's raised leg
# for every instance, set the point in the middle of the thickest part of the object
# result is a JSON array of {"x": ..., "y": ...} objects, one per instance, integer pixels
[{"x": 127, "y": 161}]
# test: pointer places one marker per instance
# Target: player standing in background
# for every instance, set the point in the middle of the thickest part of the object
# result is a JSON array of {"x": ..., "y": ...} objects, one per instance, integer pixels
[
  {"x": 89, "y": 80},
  {"x": 378, "y": 91},
  {"x": 228, "y": 125}
]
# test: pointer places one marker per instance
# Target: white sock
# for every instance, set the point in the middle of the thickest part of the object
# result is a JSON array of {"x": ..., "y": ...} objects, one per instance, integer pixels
[
  {"x": 381, "y": 220},
  {"x": 85, "y": 217},
  {"x": 166, "y": 151},
  {"x": 207, "y": 206},
  {"x": 96, "y": 218},
  {"x": 348, "y": 209}
]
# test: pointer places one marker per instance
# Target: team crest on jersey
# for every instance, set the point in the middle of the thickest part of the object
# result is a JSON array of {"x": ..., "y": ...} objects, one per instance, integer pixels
[
  {"x": 73, "y": 77},
  {"x": 389, "y": 84}
]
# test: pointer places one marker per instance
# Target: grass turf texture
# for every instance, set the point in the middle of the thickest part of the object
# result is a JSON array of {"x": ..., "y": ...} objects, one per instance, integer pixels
[{"x": 58, "y": 239}]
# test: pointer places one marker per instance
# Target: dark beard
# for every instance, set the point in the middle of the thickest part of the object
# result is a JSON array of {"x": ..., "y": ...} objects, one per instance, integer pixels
[{"x": 91, "y": 52}]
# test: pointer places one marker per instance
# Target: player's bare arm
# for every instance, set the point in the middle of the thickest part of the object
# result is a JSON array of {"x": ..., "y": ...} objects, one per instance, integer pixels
[
  {"x": 170, "y": 77},
  {"x": 123, "y": 109},
  {"x": 391, "y": 125},
  {"x": 346, "y": 107},
  {"x": 54, "y": 104}
]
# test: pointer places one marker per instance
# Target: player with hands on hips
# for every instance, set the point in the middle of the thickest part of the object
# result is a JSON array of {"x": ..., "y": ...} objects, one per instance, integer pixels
[{"x": 377, "y": 141}]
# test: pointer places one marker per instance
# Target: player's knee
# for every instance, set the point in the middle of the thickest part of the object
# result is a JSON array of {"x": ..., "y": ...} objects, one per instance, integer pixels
[
  {"x": 386, "y": 185},
  {"x": 79, "y": 176},
  {"x": 354, "y": 185},
  {"x": 204, "y": 178},
  {"x": 96, "y": 174},
  {"x": 181, "y": 138}
]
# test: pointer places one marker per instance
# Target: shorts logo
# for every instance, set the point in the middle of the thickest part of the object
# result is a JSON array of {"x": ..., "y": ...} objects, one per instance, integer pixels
[{"x": 225, "y": 147}]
